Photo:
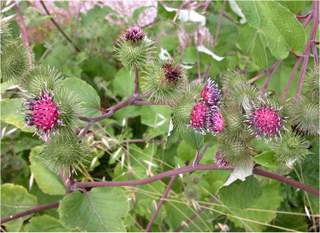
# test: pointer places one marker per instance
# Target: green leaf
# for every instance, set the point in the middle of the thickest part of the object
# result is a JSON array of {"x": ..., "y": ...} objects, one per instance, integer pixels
[
  {"x": 45, "y": 223},
  {"x": 86, "y": 94},
  {"x": 249, "y": 191},
  {"x": 123, "y": 83},
  {"x": 253, "y": 43},
  {"x": 157, "y": 117},
  {"x": 283, "y": 32},
  {"x": 11, "y": 113},
  {"x": 48, "y": 181},
  {"x": 194, "y": 139},
  {"x": 266, "y": 159},
  {"x": 101, "y": 209},
  {"x": 185, "y": 151},
  {"x": 256, "y": 212},
  {"x": 15, "y": 198}
]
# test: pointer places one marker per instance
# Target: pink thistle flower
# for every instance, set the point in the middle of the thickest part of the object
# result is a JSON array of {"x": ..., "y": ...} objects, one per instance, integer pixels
[
  {"x": 210, "y": 93},
  {"x": 172, "y": 73},
  {"x": 215, "y": 121},
  {"x": 198, "y": 116},
  {"x": 265, "y": 121},
  {"x": 220, "y": 161},
  {"x": 134, "y": 34},
  {"x": 42, "y": 113}
]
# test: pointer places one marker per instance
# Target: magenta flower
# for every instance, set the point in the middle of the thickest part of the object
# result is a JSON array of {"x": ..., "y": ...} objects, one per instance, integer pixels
[
  {"x": 215, "y": 121},
  {"x": 265, "y": 121},
  {"x": 43, "y": 113},
  {"x": 198, "y": 116},
  {"x": 134, "y": 34},
  {"x": 210, "y": 93}
]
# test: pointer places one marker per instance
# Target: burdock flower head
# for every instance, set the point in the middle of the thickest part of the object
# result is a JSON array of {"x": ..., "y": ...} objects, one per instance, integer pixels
[
  {"x": 134, "y": 34},
  {"x": 42, "y": 112},
  {"x": 210, "y": 93},
  {"x": 265, "y": 121},
  {"x": 199, "y": 116},
  {"x": 215, "y": 121},
  {"x": 172, "y": 73}
]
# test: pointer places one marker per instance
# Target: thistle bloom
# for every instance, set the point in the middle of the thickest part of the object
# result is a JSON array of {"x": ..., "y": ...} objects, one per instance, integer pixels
[
  {"x": 172, "y": 73},
  {"x": 220, "y": 161},
  {"x": 215, "y": 121},
  {"x": 42, "y": 113},
  {"x": 265, "y": 121},
  {"x": 134, "y": 34},
  {"x": 198, "y": 116},
  {"x": 210, "y": 93}
]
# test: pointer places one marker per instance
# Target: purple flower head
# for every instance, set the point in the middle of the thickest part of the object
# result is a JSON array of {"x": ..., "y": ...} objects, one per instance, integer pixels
[
  {"x": 210, "y": 93},
  {"x": 134, "y": 34},
  {"x": 215, "y": 121},
  {"x": 265, "y": 121},
  {"x": 198, "y": 116},
  {"x": 43, "y": 113}
]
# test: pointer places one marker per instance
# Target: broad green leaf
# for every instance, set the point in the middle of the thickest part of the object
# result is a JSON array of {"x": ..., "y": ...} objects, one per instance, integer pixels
[
  {"x": 48, "y": 181},
  {"x": 216, "y": 179},
  {"x": 14, "y": 199},
  {"x": 86, "y": 94},
  {"x": 45, "y": 223},
  {"x": 255, "y": 216},
  {"x": 266, "y": 159},
  {"x": 11, "y": 113},
  {"x": 157, "y": 117},
  {"x": 283, "y": 32},
  {"x": 101, "y": 209},
  {"x": 185, "y": 151},
  {"x": 248, "y": 192},
  {"x": 123, "y": 83},
  {"x": 193, "y": 138},
  {"x": 252, "y": 42}
]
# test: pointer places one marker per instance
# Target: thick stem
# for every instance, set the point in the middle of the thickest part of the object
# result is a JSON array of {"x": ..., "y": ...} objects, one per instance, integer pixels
[
  {"x": 30, "y": 211},
  {"x": 306, "y": 54},
  {"x": 170, "y": 173},
  {"x": 187, "y": 169},
  {"x": 136, "y": 82},
  {"x": 286, "y": 180},
  {"x": 291, "y": 78},
  {"x": 160, "y": 203},
  {"x": 24, "y": 33},
  {"x": 269, "y": 72},
  {"x": 58, "y": 27}
]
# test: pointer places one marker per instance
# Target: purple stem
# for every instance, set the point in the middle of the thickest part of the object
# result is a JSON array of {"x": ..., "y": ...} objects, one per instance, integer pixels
[
  {"x": 292, "y": 75},
  {"x": 170, "y": 173},
  {"x": 269, "y": 73},
  {"x": 306, "y": 54},
  {"x": 29, "y": 211},
  {"x": 160, "y": 203},
  {"x": 136, "y": 82},
  {"x": 187, "y": 169},
  {"x": 24, "y": 33}
]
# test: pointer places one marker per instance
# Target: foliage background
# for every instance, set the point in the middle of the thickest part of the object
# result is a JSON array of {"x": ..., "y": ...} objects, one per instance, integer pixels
[{"x": 250, "y": 43}]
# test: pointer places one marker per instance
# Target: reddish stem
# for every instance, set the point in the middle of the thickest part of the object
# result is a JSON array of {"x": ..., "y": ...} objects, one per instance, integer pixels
[
  {"x": 292, "y": 75},
  {"x": 30, "y": 211},
  {"x": 160, "y": 203},
  {"x": 306, "y": 54},
  {"x": 24, "y": 33},
  {"x": 187, "y": 169}
]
